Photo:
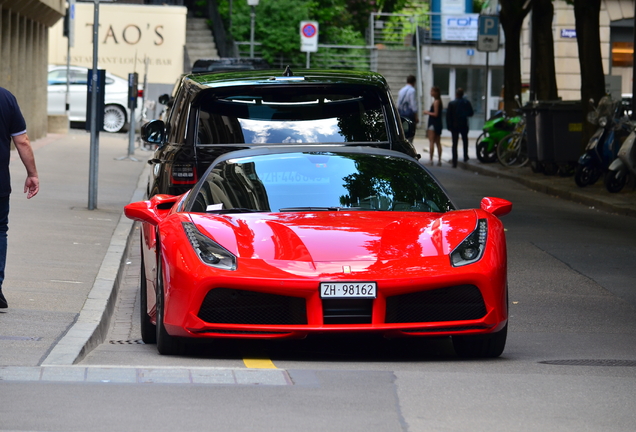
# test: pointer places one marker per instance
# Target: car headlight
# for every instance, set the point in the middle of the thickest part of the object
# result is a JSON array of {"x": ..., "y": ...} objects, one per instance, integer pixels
[
  {"x": 209, "y": 251},
  {"x": 602, "y": 122},
  {"x": 472, "y": 248}
]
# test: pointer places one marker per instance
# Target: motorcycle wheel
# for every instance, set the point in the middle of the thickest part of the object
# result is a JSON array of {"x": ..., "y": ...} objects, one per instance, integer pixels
[
  {"x": 615, "y": 181},
  {"x": 585, "y": 176},
  {"x": 483, "y": 153}
]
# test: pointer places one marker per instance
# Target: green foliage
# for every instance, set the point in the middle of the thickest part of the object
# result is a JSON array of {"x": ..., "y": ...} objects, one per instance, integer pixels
[{"x": 277, "y": 23}]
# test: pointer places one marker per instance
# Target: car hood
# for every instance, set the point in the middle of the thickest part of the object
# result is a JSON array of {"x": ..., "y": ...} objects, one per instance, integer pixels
[{"x": 338, "y": 236}]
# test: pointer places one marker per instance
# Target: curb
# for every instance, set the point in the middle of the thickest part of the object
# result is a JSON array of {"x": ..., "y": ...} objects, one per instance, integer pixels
[
  {"x": 553, "y": 191},
  {"x": 91, "y": 327}
]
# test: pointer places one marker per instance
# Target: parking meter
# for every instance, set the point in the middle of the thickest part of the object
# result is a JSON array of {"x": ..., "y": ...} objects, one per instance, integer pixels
[
  {"x": 133, "y": 81},
  {"x": 101, "y": 91}
]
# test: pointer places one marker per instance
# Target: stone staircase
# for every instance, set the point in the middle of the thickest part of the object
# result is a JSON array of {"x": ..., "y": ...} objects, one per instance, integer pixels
[
  {"x": 199, "y": 40},
  {"x": 396, "y": 65}
]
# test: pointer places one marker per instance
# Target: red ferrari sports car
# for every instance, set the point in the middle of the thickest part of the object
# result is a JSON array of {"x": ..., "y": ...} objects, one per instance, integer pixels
[{"x": 288, "y": 241}]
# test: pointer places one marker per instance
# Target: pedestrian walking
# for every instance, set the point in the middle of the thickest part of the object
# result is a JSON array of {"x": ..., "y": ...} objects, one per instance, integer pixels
[
  {"x": 407, "y": 103},
  {"x": 457, "y": 122},
  {"x": 434, "y": 129},
  {"x": 12, "y": 126}
]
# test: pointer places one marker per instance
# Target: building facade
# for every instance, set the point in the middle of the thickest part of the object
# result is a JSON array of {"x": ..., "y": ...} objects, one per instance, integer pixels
[
  {"x": 617, "y": 47},
  {"x": 24, "y": 29}
]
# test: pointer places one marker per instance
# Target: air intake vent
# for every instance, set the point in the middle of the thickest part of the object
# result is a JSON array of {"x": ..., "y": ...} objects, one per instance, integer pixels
[{"x": 458, "y": 303}]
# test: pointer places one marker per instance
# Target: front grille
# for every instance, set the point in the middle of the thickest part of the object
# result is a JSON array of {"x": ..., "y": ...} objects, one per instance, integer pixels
[
  {"x": 458, "y": 303},
  {"x": 347, "y": 311},
  {"x": 232, "y": 306}
]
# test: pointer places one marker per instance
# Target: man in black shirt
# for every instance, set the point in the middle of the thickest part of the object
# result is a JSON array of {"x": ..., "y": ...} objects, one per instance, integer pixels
[
  {"x": 457, "y": 122},
  {"x": 12, "y": 126}
]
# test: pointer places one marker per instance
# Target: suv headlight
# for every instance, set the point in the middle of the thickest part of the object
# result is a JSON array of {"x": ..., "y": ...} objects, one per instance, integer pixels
[
  {"x": 472, "y": 248},
  {"x": 209, "y": 251}
]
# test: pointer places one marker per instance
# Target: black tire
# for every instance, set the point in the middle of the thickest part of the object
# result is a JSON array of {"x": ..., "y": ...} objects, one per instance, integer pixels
[
  {"x": 483, "y": 155},
  {"x": 148, "y": 329},
  {"x": 166, "y": 344},
  {"x": 615, "y": 181},
  {"x": 585, "y": 176},
  {"x": 482, "y": 346}
]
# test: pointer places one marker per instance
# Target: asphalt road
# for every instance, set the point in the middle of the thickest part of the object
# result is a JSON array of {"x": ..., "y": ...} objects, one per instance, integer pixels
[{"x": 569, "y": 365}]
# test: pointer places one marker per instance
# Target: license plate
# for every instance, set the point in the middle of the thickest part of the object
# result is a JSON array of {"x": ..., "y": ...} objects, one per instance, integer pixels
[{"x": 348, "y": 290}]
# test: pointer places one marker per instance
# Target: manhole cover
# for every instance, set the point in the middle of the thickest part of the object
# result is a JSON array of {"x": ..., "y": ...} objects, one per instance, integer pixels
[
  {"x": 591, "y": 362},
  {"x": 127, "y": 342}
]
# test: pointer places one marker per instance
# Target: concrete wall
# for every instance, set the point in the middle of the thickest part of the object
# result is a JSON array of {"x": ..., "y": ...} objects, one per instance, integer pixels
[{"x": 24, "y": 53}]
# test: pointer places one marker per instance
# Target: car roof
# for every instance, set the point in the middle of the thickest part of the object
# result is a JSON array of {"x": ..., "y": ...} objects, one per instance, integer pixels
[{"x": 277, "y": 77}]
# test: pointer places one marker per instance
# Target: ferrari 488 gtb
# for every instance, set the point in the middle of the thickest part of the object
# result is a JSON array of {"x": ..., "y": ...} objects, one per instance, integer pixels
[{"x": 283, "y": 242}]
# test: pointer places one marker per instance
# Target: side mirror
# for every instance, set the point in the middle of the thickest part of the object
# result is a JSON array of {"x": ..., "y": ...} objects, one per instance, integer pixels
[
  {"x": 408, "y": 126},
  {"x": 152, "y": 211},
  {"x": 496, "y": 206},
  {"x": 154, "y": 132},
  {"x": 164, "y": 99}
]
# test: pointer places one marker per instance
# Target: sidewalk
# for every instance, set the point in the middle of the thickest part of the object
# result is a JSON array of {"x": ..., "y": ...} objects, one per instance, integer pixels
[
  {"x": 63, "y": 259},
  {"x": 595, "y": 196},
  {"x": 65, "y": 262}
]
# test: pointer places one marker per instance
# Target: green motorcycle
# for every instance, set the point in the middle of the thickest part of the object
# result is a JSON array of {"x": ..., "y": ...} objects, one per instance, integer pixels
[{"x": 495, "y": 129}]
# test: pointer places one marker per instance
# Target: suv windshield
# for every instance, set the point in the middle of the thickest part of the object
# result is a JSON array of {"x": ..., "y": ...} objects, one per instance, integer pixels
[
  {"x": 291, "y": 115},
  {"x": 315, "y": 181}
]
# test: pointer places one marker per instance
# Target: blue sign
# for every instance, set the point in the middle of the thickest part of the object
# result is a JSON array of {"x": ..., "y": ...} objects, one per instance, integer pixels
[
  {"x": 488, "y": 25},
  {"x": 470, "y": 52},
  {"x": 568, "y": 33},
  {"x": 488, "y": 33}
]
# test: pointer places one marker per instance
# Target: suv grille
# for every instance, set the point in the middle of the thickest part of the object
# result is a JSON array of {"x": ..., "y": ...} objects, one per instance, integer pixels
[
  {"x": 232, "y": 306},
  {"x": 458, "y": 303}
]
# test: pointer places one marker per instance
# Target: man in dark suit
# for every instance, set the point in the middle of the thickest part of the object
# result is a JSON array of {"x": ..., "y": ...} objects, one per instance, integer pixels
[{"x": 457, "y": 122}]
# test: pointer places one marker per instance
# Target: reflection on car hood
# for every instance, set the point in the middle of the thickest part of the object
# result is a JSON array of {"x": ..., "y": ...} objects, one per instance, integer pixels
[{"x": 338, "y": 236}]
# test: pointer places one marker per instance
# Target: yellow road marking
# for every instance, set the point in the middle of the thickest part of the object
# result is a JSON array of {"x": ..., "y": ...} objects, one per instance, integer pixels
[{"x": 259, "y": 363}]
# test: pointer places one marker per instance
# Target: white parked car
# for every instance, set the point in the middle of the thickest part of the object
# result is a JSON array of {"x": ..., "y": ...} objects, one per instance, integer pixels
[{"x": 116, "y": 112}]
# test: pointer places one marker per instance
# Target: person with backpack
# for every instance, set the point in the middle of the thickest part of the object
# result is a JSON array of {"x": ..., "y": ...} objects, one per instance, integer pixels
[
  {"x": 457, "y": 122},
  {"x": 407, "y": 103}
]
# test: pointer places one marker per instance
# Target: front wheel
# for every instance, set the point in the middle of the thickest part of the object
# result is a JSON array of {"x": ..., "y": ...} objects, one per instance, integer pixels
[
  {"x": 615, "y": 180},
  {"x": 166, "y": 344},
  {"x": 482, "y": 346},
  {"x": 486, "y": 151},
  {"x": 148, "y": 329},
  {"x": 114, "y": 118},
  {"x": 511, "y": 150},
  {"x": 585, "y": 175}
]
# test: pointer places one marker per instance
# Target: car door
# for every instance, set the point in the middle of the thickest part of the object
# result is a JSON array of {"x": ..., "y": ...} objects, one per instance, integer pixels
[
  {"x": 79, "y": 89},
  {"x": 56, "y": 103}
]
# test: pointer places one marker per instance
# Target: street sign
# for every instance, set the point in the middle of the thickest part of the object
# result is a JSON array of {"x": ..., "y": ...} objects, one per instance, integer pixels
[
  {"x": 309, "y": 36},
  {"x": 488, "y": 35}
]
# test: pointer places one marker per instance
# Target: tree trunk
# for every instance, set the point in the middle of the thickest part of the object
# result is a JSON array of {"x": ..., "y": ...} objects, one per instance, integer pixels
[
  {"x": 512, "y": 15},
  {"x": 586, "y": 13},
  {"x": 543, "y": 50}
]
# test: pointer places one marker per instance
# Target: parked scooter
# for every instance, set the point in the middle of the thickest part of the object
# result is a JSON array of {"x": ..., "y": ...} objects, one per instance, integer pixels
[
  {"x": 495, "y": 129},
  {"x": 624, "y": 165},
  {"x": 603, "y": 146}
]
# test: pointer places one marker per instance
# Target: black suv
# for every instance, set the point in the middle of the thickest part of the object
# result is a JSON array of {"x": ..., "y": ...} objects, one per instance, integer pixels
[{"x": 213, "y": 114}]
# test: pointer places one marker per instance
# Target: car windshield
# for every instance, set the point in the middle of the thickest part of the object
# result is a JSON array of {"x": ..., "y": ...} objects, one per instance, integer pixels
[
  {"x": 291, "y": 115},
  {"x": 315, "y": 181}
]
